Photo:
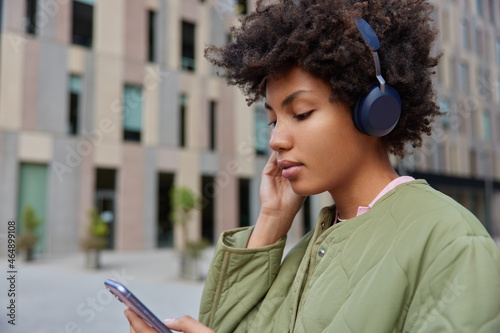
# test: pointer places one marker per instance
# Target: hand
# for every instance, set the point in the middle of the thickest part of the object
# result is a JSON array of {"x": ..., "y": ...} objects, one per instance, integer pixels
[
  {"x": 183, "y": 324},
  {"x": 279, "y": 205}
]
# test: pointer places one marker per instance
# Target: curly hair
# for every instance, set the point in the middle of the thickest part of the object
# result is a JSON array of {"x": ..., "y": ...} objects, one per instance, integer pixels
[{"x": 321, "y": 37}]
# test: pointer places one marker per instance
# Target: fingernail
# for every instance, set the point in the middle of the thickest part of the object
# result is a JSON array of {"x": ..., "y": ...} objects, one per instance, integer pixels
[
  {"x": 126, "y": 313},
  {"x": 169, "y": 320}
]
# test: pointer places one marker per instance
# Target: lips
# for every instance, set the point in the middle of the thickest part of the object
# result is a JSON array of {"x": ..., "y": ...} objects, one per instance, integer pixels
[{"x": 289, "y": 168}]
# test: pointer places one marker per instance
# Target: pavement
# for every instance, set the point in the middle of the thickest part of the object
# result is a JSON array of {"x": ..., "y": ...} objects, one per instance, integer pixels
[{"x": 58, "y": 294}]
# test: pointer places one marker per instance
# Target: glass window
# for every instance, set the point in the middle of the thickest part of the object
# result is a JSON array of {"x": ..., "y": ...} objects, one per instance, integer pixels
[
  {"x": 165, "y": 225},
  {"x": 479, "y": 7},
  {"x": 486, "y": 125},
  {"x": 497, "y": 46},
  {"x": 105, "y": 200},
  {"x": 473, "y": 124},
  {"x": 498, "y": 127},
  {"x": 444, "y": 104},
  {"x": 244, "y": 202},
  {"x": 479, "y": 43},
  {"x": 209, "y": 190},
  {"x": 31, "y": 6},
  {"x": 483, "y": 84},
  {"x": 472, "y": 163},
  {"x": 465, "y": 34},
  {"x": 151, "y": 36},
  {"x": 306, "y": 211},
  {"x": 132, "y": 113},
  {"x": 75, "y": 88},
  {"x": 188, "y": 42},
  {"x": 33, "y": 192},
  {"x": 492, "y": 10},
  {"x": 241, "y": 7},
  {"x": 213, "y": 124},
  {"x": 464, "y": 77},
  {"x": 498, "y": 91},
  {"x": 487, "y": 46},
  {"x": 83, "y": 22},
  {"x": 182, "y": 120},
  {"x": 261, "y": 131}
]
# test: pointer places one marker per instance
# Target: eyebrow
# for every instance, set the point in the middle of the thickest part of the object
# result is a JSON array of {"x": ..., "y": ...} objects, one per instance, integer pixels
[{"x": 289, "y": 99}]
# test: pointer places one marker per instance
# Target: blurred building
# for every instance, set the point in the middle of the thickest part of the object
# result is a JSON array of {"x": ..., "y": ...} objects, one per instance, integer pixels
[
  {"x": 108, "y": 104},
  {"x": 462, "y": 158}
]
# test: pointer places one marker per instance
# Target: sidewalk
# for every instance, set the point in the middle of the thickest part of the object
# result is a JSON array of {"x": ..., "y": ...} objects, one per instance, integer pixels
[{"x": 58, "y": 294}]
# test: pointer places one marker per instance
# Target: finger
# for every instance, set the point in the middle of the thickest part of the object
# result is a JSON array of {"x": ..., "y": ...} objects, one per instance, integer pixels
[
  {"x": 187, "y": 324},
  {"x": 137, "y": 324},
  {"x": 272, "y": 168}
]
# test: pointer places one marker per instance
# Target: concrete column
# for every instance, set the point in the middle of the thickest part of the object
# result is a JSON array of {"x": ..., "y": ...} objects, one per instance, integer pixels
[
  {"x": 129, "y": 225},
  {"x": 53, "y": 88},
  {"x": 30, "y": 84},
  {"x": 62, "y": 228},
  {"x": 12, "y": 53},
  {"x": 150, "y": 199}
]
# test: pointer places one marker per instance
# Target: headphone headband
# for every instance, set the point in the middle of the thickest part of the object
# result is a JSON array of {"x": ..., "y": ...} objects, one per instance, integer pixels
[
  {"x": 371, "y": 39},
  {"x": 378, "y": 112}
]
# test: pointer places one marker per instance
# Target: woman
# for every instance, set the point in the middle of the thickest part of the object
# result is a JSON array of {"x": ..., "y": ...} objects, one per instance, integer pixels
[{"x": 392, "y": 254}]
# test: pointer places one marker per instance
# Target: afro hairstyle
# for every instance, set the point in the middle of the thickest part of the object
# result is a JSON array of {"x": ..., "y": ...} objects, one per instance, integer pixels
[{"x": 321, "y": 37}]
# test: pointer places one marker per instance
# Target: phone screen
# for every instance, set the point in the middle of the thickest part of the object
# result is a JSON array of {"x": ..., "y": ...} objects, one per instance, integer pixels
[{"x": 126, "y": 297}]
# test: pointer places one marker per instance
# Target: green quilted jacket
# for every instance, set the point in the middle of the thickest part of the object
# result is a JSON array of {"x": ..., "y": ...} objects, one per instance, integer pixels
[{"x": 416, "y": 262}]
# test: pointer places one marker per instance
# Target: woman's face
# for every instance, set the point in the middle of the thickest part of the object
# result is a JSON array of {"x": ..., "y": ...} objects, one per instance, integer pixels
[{"x": 319, "y": 148}]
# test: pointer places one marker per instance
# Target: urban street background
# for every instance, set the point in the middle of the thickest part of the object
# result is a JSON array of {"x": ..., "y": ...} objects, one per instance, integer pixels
[{"x": 107, "y": 106}]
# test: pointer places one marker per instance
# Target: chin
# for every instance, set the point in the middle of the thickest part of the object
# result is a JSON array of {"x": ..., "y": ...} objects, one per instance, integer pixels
[{"x": 305, "y": 190}]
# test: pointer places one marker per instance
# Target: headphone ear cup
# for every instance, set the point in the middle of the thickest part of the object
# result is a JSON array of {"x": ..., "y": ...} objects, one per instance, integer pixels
[{"x": 377, "y": 113}]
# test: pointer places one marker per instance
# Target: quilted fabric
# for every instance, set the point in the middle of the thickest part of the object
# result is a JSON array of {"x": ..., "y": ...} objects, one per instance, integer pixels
[{"x": 416, "y": 262}]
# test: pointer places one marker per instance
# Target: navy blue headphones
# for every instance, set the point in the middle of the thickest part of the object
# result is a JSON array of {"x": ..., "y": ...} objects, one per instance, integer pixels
[{"x": 376, "y": 113}]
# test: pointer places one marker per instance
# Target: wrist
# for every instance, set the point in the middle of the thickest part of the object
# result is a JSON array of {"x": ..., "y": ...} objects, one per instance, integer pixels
[{"x": 269, "y": 229}]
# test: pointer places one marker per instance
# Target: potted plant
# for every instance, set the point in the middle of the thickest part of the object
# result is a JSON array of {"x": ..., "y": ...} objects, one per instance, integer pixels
[
  {"x": 184, "y": 202},
  {"x": 95, "y": 240},
  {"x": 28, "y": 238}
]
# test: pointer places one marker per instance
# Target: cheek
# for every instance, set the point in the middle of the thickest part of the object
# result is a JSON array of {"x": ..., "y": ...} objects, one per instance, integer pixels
[{"x": 336, "y": 140}]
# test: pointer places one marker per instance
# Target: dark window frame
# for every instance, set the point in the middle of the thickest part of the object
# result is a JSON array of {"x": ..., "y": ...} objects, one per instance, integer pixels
[
  {"x": 213, "y": 125},
  {"x": 131, "y": 135},
  {"x": 31, "y": 21},
  {"x": 188, "y": 46},
  {"x": 152, "y": 17},
  {"x": 82, "y": 25},
  {"x": 209, "y": 189},
  {"x": 74, "y": 110},
  {"x": 244, "y": 189},
  {"x": 182, "y": 120},
  {"x": 241, "y": 7}
]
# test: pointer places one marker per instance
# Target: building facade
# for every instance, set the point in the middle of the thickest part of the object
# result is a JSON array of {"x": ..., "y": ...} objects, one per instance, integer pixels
[
  {"x": 462, "y": 157},
  {"x": 110, "y": 104}
]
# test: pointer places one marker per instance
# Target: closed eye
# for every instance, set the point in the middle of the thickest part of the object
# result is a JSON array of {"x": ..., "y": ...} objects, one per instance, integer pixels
[
  {"x": 272, "y": 124},
  {"x": 303, "y": 116}
]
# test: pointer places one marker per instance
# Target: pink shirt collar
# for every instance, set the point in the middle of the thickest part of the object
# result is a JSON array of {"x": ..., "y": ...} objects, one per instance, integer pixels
[{"x": 390, "y": 186}]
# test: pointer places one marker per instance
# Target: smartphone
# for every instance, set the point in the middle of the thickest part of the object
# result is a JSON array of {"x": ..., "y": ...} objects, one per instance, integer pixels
[{"x": 126, "y": 297}]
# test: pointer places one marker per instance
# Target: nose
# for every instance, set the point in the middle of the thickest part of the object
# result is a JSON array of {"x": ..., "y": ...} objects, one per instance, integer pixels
[{"x": 280, "y": 138}]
